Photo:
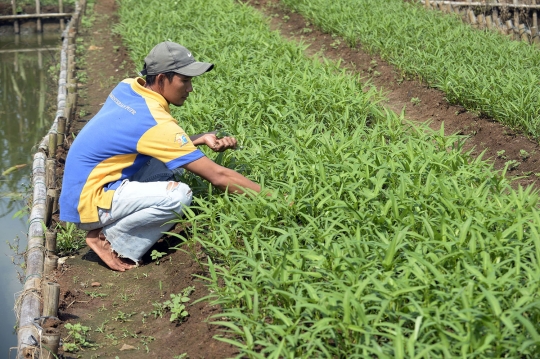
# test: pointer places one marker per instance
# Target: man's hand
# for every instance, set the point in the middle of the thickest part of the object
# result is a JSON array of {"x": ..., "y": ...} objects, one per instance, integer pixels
[{"x": 214, "y": 143}]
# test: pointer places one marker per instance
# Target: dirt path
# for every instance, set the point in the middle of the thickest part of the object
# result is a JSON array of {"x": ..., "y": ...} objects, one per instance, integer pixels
[
  {"x": 122, "y": 309},
  {"x": 421, "y": 102}
]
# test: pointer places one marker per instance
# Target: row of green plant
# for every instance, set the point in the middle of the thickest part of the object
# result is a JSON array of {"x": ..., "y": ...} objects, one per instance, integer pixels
[
  {"x": 481, "y": 70},
  {"x": 378, "y": 240}
]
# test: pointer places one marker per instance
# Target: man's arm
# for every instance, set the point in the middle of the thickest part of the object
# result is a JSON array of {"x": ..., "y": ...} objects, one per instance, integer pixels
[{"x": 221, "y": 177}]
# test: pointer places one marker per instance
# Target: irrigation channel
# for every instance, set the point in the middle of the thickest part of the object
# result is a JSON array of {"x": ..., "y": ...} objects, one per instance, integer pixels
[{"x": 24, "y": 119}]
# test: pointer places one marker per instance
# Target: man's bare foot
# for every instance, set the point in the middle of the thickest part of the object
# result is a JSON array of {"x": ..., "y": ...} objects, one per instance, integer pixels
[{"x": 99, "y": 244}]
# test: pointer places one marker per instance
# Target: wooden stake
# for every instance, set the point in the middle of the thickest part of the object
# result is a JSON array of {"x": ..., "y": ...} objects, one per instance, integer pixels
[
  {"x": 481, "y": 21},
  {"x": 509, "y": 29},
  {"x": 51, "y": 294},
  {"x": 49, "y": 204},
  {"x": 50, "y": 341},
  {"x": 38, "y": 11},
  {"x": 516, "y": 22},
  {"x": 60, "y": 10},
  {"x": 472, "y": 18},
  {"x": 61, "y": 130},
  {"x": 55, "y": 194},
  {"x": 50, "y": 173},
  {"x": 52, "y": 144},
  {"x": 50, "y": 241},
  {"x": 523, "y": 33},
  {"x": 534, "y": 28},
  {"x": 489, "y": 23},
  {"x": 16, "y": 22},
  {"x": 51, "y": 262}
]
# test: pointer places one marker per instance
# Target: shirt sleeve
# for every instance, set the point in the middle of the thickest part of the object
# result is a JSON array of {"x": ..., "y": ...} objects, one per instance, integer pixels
[{"x": 167, "y": 142}]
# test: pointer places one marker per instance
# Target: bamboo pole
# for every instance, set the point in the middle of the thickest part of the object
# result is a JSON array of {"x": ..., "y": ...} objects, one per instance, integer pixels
[
  {"x": 51, "y": 173},
  {"x": 61, "y": 130},
  {"x": 534, "y": 28},
  {"x": 50, "y": 240},
  {"x": 38, "y": 11},
  {"x": 16, "y": 27},
  {"x": 51, "y": 295},
  {"x": 17, "y": 17},
  {"x": 50, "y": 342},
  {"x": 523, "y": 33},
  {"x": 481, "y": 21},
  {"x": 29, "y": 299},
  {"x": 28, "y": 303},
  {"x": 482, "y": 4},
  {"x": 516, "y": 21},
  {"x": 60, "y": 10},
  {"x": 472, "y": 17},
  {"x": 489, "y": 23},
  {"x": 509, "y": 29},
  {"x": 52, "y": 144},
  {"x": 495, "y": 18},
  {"x": 51, "y": 262}
]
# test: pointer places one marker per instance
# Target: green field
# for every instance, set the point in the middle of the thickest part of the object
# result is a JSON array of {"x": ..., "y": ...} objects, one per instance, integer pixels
[
  {"x": 381, "y": 239},
  {"x": 481, "y": 70}
]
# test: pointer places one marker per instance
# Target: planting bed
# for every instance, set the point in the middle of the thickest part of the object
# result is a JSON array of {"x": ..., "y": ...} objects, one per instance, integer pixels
[{"x": 381, "y": 239}]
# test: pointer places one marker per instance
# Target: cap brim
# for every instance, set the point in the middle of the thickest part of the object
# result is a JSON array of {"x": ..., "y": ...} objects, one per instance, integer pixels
[{"x": 195, "y": 69}]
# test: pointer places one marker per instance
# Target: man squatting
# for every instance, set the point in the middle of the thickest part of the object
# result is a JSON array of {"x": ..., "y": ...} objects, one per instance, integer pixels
[{"x": 119, "y": 178}]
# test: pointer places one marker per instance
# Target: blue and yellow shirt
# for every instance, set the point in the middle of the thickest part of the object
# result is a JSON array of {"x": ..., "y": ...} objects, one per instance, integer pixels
[{"x": 133, "y": 126}]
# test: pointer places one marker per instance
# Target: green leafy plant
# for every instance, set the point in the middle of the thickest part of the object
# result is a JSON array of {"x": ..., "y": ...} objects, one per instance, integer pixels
[
  {"x": 415, "y": 101},
  {"x": 156, "y": 255},
  {"x": 176, "y": 305},
  {"x": 392, "y": 241},
  {"x": 69, "y": 238},
  {"x": 76, "y": 339}
]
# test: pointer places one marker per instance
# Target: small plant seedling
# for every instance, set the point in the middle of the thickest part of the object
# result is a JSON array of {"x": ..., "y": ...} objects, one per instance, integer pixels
[
  {"x": 101, "y": 328},
  {"x": 524, "y": 154},
  {"x": 415, "y": 101},
  {"x": 123, "y": 317},
  {"x": 501, "y": 153},
  {"x": 512, "y": 164},
  {"x": 95, "y": 294},
  {"x": 156, "y": 255}
]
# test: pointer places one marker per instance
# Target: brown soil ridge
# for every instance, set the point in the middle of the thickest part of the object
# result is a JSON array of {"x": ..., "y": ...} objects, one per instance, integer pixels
[
  {"x": 422, "y": 103},
  {"x": 121, "y": 308}
]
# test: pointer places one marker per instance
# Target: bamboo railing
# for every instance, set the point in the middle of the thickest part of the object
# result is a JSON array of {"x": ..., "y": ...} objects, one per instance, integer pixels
[
  {"x": 37, "y": 16},
  {"x": 517, "y": 19},
  {"x": 39, "y": 298}
]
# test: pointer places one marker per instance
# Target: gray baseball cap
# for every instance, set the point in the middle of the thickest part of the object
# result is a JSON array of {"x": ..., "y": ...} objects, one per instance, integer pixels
[{"x": 169, "y": 56}]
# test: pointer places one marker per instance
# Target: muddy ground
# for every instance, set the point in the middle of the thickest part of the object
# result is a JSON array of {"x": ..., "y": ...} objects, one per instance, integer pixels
[{"x": 118, "y": 307}]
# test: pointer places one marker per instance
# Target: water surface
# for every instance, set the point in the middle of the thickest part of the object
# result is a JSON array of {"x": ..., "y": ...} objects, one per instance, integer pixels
[{"x": 26, "y": 114}]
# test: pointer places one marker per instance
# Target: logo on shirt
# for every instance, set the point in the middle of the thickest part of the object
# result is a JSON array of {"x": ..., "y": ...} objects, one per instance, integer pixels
[{"x": 181, "y": 139}]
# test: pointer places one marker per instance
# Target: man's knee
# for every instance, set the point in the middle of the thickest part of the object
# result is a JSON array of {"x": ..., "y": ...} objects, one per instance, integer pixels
[{"x": 180, "y": 195}]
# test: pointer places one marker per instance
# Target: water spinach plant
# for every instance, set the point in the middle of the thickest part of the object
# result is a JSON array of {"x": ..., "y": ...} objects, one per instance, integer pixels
[
  {"x": 481, "y": 70},
  {"x": 381, "y": 239}
]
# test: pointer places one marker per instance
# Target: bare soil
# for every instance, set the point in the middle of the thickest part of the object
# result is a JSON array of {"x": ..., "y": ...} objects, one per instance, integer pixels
[{"x": 118, "y": 306}]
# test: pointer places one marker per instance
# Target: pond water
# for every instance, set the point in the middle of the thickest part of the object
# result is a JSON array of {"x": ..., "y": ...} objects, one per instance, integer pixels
[{"x": 26, "y": 115}]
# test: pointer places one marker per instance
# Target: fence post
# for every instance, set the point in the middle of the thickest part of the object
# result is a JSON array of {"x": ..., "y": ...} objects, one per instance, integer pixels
[
  {"x": 16, "y": 22},
  {"x": 38, "y": 11}
]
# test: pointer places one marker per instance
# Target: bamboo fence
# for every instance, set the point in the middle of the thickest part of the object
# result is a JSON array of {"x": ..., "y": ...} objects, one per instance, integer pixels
[
  {"x": 37, "y": 16},
  {"x": 40, "y": 254},
  {"x": 517, "y": 19}
]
